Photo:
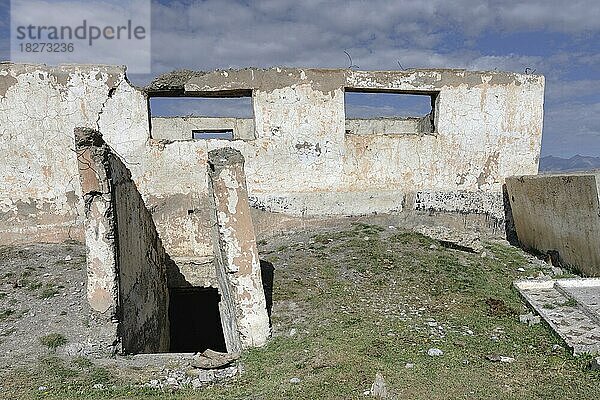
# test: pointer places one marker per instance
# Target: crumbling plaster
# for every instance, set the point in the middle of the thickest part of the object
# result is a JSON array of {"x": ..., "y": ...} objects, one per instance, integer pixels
[
  {"x": 236, "y": 254},
  {"x": 126, "y": 262},
  {"x": 302, "y": 163}
]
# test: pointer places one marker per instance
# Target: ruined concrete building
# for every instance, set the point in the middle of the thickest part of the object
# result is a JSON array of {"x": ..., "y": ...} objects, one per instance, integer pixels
[{"x": 79, "y": 145}]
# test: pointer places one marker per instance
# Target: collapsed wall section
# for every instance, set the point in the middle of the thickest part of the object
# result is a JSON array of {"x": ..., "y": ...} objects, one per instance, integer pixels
[
  {"x": 559, "y": 215},
  {"x": 127, "y": 284}
]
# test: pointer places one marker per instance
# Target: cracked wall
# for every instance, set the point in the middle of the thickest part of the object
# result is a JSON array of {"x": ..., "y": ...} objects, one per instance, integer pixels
[{"x": 301, "y": 165}]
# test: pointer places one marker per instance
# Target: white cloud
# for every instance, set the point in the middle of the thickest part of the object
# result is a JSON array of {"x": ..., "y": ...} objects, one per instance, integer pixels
[
  {"x": 74, "y": 14},
  {"x": 562, "y": 91},
  {"x": 572, "y": 128},
  {"x": 379, "y": 34}
]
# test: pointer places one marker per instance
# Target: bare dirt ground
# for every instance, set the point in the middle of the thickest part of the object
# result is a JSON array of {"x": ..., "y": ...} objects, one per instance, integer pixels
[{"x": 42, "y": 301}]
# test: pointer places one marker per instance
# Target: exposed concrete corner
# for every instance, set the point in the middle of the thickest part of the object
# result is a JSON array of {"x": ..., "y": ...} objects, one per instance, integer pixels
[
  {"x": 237, "y": 261},
  {"x": 126, "y": 262}
]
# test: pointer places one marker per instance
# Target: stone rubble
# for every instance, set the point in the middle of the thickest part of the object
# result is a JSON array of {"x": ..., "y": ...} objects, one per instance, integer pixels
[
  {"x": 378, "y": 388},
  {"x": 433, "y": 352},
  {"x": 530, "y": 319},
  {"x": 499, "y": 358}
]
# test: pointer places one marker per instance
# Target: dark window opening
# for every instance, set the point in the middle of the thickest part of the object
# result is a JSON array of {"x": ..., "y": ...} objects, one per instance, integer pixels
[
  {"x": 389, "y": 112},
  {"x": 226, "y": 134},
  {"x": 195, "y": 321}
]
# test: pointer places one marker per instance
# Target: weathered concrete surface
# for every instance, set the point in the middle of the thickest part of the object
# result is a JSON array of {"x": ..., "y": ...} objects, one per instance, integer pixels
[
  {"x": 389, "y": 126},
  {"x": 127, "y": 282},
  {"x": 236, "y": 255},
  {"x": 570, "y": 307},
  {"x": 180, "y": 128},
  {"x": 300, "y": 165},
  {"x": 39, "y": 108},
  {"x": 559, "y": 215},
  {"x": 466, "y": 241}
]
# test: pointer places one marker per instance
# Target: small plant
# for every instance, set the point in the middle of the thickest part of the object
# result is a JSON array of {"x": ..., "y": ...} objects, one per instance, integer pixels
[
  {"x": 33, "y": 285},
  {"x": 48, "y": 291},
  {"x": 7, "y": 312},
  {"x": 53, "y": 341},
  {"x": 570, "y": 303},
  {"x": 549, "y": 306}
]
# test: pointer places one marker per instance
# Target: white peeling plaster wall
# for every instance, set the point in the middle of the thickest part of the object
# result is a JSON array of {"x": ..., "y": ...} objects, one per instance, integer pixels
[
  {"x": 301, "y": 163},
  {"x": 39, "y": 184}
]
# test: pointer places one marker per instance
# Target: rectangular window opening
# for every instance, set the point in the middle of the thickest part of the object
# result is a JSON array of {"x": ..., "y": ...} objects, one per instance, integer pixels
[
  {"x": 220, "y": 115},
  {"x": 224, "y": 134},
  {"x": 370, "y": 112}
]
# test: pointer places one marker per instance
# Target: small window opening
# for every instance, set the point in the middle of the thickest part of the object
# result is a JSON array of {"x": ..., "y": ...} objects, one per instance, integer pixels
[
  {"x": 195, "y": 321},
  {"x": 226, "y": 134},
  {"x": 388, "y": 113}
]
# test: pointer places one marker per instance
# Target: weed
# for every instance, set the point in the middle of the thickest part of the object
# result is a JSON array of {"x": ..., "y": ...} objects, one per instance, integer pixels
[
  {"x": 570, "y": 303},
  {"x": 53, "y": 340},
  {"x": 48, "y": 291},
  {"x": 34, "y": 285},
  {"x": 7, "y": 312}
]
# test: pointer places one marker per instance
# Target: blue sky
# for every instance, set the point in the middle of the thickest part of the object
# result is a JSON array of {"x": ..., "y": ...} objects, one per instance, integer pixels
[{"x": 560, "y": 39}]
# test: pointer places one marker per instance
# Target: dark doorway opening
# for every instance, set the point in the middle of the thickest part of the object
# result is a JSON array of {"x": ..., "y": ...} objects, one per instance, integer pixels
[{"x": 195, "y": 321}]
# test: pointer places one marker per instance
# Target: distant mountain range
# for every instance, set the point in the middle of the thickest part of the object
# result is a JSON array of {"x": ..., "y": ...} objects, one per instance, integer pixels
[{"x": 575, "y": 163}]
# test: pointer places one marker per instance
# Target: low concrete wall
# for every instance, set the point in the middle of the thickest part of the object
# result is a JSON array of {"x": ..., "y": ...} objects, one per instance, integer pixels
[
  {"x": 127, "y": 281},
  {"x": 389, "y": 126},
  {"x": 181, "y": 128},
  {"x": 559, "y": 215}
]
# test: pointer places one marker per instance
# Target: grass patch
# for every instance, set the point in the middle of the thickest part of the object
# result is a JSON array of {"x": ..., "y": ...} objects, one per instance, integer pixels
[
  {"x": 48, "y": 291},
  {"x": 6, "y": 313},
  {"x": 570, "y": 303},
  {"x": 53, "y": 340},
  {"x": 364, "y": 300}
]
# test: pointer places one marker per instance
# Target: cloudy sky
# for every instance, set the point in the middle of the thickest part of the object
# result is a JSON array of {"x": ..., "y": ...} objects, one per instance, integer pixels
[{"x": 560, "y": 39}]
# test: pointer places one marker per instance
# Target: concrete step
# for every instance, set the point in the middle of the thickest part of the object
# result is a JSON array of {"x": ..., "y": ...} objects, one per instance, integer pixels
[{"x": 570, "y": 306}]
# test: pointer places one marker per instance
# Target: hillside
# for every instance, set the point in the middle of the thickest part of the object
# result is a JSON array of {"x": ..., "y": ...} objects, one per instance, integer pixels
[{"x": 575, "y": 163}]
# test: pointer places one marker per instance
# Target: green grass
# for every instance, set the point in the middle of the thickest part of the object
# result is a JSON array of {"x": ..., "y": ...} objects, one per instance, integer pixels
[
  {"x": 570, "y": 303},
  {"x": 53, "y": 340},
  {"x": 49, "y": 290},
  {"x": 6, "y": 313},
  {"x": 360, "y": 300}
]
